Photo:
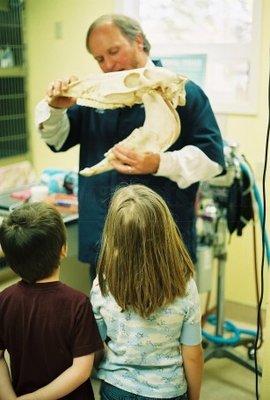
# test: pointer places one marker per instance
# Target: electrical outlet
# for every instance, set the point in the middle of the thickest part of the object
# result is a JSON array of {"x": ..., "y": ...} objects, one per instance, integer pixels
[{"x": 58, "y": 30}]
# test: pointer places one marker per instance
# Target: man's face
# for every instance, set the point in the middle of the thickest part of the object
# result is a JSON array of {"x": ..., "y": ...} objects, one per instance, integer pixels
[{"x": 113, "y": 51}]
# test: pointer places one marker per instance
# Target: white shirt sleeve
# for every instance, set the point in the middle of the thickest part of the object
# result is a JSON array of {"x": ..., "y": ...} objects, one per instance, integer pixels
[
  {"x": 52, "y": 123},
  {"x": 187, "y": 166}
]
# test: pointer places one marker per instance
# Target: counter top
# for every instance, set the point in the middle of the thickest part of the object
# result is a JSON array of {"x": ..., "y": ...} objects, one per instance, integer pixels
[{"x": 66, "y": 204}]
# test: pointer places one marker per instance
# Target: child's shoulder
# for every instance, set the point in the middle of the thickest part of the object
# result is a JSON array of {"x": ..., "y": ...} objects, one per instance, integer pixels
[
  {"x": 9, "y": 290},
  {"x": 66, "y": 298},
  {"x": 71, "y": 292},
  {"x": 191, "y": 288},
  {"x": 95, "y": 292},
  {"x": 191, "y": 284}
]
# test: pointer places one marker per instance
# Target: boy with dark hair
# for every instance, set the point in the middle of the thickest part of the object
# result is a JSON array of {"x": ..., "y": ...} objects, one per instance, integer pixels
[{"x": 47, "y": 327}]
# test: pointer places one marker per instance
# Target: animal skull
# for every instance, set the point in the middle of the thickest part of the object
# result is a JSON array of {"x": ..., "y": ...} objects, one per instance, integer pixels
[{"x": 159, "y": 89}]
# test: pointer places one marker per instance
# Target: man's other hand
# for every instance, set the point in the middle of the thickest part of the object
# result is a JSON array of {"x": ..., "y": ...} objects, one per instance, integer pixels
[
  {"x": 53, "y": 94},
  {"x": 133, "y": 163}
]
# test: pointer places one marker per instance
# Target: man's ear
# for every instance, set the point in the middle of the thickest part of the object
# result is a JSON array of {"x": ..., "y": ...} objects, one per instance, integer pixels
[
  {"x": 64, "y": 251},
  {"x": 139, "y": 41}
]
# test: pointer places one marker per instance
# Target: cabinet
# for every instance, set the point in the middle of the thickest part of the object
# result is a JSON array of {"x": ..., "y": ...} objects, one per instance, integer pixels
[{"x": 13, "y": 129}]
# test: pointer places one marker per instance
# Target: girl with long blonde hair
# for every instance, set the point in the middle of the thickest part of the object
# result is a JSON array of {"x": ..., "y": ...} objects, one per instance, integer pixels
[{"x": 146, "y": 303}]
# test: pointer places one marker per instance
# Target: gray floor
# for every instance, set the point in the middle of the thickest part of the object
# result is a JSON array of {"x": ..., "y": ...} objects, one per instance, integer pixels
[{"x": 226, "y": 380}]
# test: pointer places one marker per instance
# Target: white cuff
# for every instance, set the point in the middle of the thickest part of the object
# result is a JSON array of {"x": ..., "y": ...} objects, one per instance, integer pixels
[
  {"x": 187, "y": 166},
  {"x": 44, "y": 112},
  {"x": 52, "y": 123}
]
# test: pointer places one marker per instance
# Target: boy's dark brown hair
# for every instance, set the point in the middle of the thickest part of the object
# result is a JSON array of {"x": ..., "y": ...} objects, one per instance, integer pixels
[
  {"x": 32, "y": 238},
  {"x": 143, "y": 262}
]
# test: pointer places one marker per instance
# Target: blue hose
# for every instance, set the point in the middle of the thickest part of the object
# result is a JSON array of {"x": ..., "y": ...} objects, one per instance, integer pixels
[
  {"x": 229, "y": 327},
  {"x": 258, "y": 199}
]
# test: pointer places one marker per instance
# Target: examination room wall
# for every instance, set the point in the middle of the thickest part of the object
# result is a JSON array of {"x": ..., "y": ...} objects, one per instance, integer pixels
[{"x": 55, "y": 37}]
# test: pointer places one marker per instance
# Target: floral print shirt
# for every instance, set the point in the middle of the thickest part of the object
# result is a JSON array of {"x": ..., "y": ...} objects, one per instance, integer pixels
[{"x": 143, "y": 355}]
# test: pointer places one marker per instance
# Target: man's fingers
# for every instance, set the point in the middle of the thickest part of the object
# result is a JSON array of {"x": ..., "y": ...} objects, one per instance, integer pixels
[
  {"x": 56, "y": 87},
  {"x": 147, "y": 163},
  {"x": 122, "y": 168},
  {"x": 126, "y": 156}
]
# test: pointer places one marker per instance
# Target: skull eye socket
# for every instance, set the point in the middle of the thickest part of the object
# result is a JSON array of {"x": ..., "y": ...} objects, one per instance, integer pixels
[{"x": 136, "y": 79}]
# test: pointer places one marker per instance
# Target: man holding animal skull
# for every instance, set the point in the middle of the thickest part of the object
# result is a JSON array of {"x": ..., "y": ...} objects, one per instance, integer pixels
[{"x": 118, "y": 43}]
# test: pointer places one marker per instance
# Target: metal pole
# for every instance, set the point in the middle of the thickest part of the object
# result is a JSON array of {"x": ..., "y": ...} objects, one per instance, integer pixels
[
  {"x": 221, "y": 255},
  {"x": 220, "y": 295}
]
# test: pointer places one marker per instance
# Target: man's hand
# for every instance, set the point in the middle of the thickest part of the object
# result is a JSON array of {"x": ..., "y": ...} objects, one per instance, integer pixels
[
  {"x": 54, "y": 90},
  {"x": 131, "y": 162}
]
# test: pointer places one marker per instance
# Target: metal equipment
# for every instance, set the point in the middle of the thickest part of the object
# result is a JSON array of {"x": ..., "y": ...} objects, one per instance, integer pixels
[{"x": 213, "y": 211}]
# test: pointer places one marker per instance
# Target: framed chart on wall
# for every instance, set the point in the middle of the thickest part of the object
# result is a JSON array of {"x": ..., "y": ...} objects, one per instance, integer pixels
[{"x": 191, "y": 65}]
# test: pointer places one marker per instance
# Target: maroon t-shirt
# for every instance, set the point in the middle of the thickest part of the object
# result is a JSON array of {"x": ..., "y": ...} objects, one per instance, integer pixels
[{"x": 44, "y": 326}]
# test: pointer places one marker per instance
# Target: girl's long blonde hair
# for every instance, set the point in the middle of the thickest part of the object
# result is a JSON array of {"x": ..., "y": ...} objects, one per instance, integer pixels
[{"x": 143, "y": 261}]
